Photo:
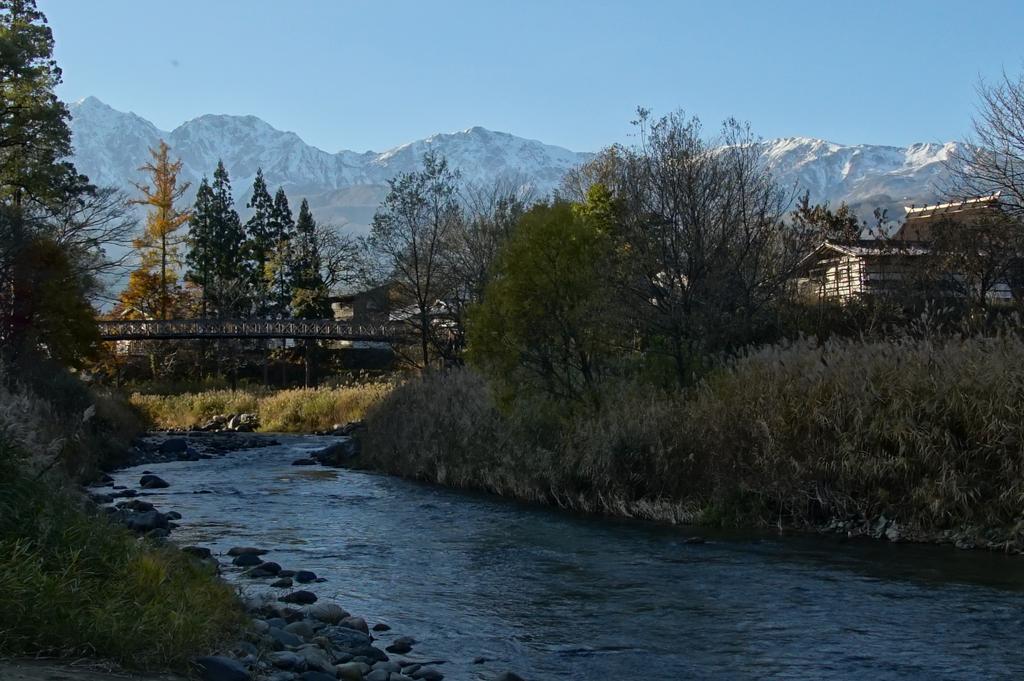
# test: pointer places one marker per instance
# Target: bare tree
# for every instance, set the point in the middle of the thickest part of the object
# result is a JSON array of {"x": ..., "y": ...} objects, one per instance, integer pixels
[
  {"x": 992, "y": 159},
  {"x": 410, "y": 235},
  {"x": 702, "y": 224}
]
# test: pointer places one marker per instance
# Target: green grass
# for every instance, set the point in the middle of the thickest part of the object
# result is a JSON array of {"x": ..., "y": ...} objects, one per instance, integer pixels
[
  {"x": 285, "y": 411},
  {"x": 73, "y": 584}
]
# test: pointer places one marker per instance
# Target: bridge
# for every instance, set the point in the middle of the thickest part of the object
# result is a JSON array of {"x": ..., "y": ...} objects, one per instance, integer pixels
[{"x": 317, "y": 329}]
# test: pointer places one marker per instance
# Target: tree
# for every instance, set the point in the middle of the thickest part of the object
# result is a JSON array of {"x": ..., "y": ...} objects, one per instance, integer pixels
[
  {"x": 200, "y": 257},
  {"x": 309, "y": 292},
  {"x": 992, "y": 160},
  {"x": 159, "y": 242},
  {"x": 35, "y": 142},
  {"x": 260, "y": 243},
  {"x": 543, "y": 319},
  {"x": 409, "y": 237},
  {"x": 282, "y": 231},
  {"x": 706, "y": 252}
]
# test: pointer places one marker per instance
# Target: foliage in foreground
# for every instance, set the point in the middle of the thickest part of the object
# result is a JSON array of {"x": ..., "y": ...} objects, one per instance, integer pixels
[
  {"x": 72, "y": 583},
  {"x": 300, "y": 410},
  {"x": 927, "y": 431}
]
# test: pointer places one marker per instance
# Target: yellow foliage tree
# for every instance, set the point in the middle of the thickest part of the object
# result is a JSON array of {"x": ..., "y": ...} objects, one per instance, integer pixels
[{"x": 159, "y": 243}]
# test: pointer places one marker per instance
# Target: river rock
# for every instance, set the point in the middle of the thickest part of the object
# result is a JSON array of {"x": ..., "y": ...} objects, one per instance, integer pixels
[
  {"x": 135, "y": 505},
  {"x": 173, "y": 515},
  {"x": 300, "y": 597},
  {"x": 337, "y": 454},
  {"x": 286, "y": 659},
  {"x": 283, "y": 583},
  {"x": 327, "y": 612},
  {"x": 173, "y": 445},
  {"x": 316, "y": 658},
  {"x": 352, "y": 671},
  {"x": 153, "y": 482},
  {"x": 305, "y": 576},
  {"x": 144, "y": 522},
  {"x": 246, "y": 550},
  {"x": 284, "y": 638},
  {"x": 401, "y": 645},
  {"x": 380, "y": 626},
  {"x": 357, "y": 623},
  {"x": 388, "y": 666},
  {"x": 247, "y": 560},
  {"x": 300, "y": 628},
  {"x": 378, "y": 675},
  {"x": 317, "y": 676},
  {"x": 200, "y": 552},
  {"x": 508, "y": 676},
  {"x": 217, "y": 668},
  {"x": 427, "y": 674},
  {"x": 263, "y": 570}
]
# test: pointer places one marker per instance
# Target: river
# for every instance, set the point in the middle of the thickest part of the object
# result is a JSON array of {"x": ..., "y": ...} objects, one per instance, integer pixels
[{"x": 552, "y": 595}]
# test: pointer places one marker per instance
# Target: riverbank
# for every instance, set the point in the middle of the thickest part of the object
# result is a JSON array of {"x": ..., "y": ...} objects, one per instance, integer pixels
[{"x": 904, "y": 439}]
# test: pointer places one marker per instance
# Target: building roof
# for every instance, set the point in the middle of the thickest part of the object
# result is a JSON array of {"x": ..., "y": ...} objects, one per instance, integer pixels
[{"x": 952, "y": 207}]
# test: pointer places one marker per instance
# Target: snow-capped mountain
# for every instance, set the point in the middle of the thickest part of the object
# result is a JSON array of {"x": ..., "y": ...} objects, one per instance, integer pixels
[{"x": 347, "y": 186}]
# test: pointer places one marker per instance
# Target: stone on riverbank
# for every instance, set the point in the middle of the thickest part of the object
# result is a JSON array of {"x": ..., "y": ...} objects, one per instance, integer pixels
[
  {"x": 217, "y": 668},
  {"x": 337, "y": 454},
  {"x": 357, "y": 623},
  {"x": 246, "y": 550},
  {"x": 173, "y": 445},
  {"x": 327, "y": 612},
  {"x": 352, "y": 671},
  {"x": 401, "y": 645},
  {"x": 300, "y": 597},
  {"x": 153, "y": 482},
  {"x": 262, "y": 570},
  {"x": 283, "y": 583},
  {"x": 305, "y": 576},
  {"x": 247, "y": 560}
]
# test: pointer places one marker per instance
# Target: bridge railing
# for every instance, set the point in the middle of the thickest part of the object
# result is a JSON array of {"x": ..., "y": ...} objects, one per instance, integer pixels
[{"x": 323, "y": 329}]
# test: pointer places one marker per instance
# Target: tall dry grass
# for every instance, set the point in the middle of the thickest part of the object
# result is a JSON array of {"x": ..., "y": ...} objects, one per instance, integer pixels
[
  {"x": 284, "y": 411},
  {"x": 929, "y": 431}
]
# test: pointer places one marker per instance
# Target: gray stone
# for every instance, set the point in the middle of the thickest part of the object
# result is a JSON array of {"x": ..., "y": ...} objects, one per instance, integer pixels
[
  {"x": 285, "y": 638},
  {"x": 153, "y": 482},
  {"x": 317, "y": 676},
  {"x": 300, "y": 597},
  {"x": 348, "y": 639},
  {"x": 217, "y": 668},
  {"x": 260, "y": 626},
  {"x": 286, "y": 659},
  {"x": 338, "y": 454},
  {"x": 389, "y": 666},
  {"x": 173, "y": 515},
  {"x": 352, "y": 671},
  {"x": 144, "y": 522},
  {"x": 300, "y": 628},
  {"x": 247, "y": 560},
  {"x": 401, "y": 645},
  {"x": 246, "y": 550},
  {"x": 357, "y": 623},
  {"x": 380, "y": 626},
  {"x": 305, "y": 576},
  {"x": 327, "y": 612},
  {"x": 283, "y": 583},
  {"x": 378, "y": 675},
  {"x": 200, "y": 552},
  {"x": 173, "y": 445},
  {"x": 316, "y": 658},
  {"x": 508, "y": 676},
  {"x": 427, "y": 674}
]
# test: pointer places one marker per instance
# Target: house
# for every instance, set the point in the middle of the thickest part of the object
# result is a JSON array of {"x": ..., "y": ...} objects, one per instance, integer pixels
[{"x": 874, "y": 267}]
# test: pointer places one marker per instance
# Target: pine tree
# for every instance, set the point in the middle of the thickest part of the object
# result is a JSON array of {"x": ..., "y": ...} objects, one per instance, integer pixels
[
  {"x": 282, "y": 231},
  {"x": 200, "y": 258},
  {"x": 309, "y": 293},
  {"x": 159, "y": 242},
  {"x": 259, "y": 244},
  {"x": 230, "y": 277}
]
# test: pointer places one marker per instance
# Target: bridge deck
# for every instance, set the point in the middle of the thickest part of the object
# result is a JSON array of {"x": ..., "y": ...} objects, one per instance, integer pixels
[{"x": 169, "y": 329}]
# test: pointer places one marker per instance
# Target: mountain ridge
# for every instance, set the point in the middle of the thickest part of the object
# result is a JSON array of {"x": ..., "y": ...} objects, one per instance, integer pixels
[{"x": 347, "y": 186}]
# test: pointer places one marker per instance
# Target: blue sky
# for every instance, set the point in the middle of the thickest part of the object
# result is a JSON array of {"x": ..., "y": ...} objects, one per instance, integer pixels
[{"x": 362, "y": 74}]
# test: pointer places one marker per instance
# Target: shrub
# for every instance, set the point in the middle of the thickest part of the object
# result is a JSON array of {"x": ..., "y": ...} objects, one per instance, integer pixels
[{"x": 71, "y": 583}]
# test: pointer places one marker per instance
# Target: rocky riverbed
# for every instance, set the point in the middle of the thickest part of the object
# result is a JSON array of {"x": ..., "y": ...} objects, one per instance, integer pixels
[{"x": 293, "y": 635}]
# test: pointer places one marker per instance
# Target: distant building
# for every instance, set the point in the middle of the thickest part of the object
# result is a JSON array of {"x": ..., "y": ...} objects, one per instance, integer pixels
[{"x": 875, "y": 267}]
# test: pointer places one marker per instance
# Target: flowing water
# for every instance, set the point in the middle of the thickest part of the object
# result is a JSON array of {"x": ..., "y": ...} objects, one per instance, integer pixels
[{"x": 553, "y": 595}]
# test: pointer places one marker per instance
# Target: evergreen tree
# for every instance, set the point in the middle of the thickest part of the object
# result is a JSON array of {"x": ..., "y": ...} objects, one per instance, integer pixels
[
  {"x": 200, "y": 257},
  {"x": 230, "y": 276},
  {"x": 282, "y": 231},
  {"x": 259, "y": 244},
  {"x": 35, "y": 142},
  {"x": 309, "y": 292}
]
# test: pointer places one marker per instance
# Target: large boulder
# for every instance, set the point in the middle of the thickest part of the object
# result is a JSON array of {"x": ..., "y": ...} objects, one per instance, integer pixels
[
  {"x": 247, "y": 560},
  {"x": 300, "y": 597},
  {"x": 143, "y": 522},
  {"x": 152, "y": 482},
  {"x": 244, "y": 550},
  {"x": 217, "y": 668},
  {"x": 173, "y": 445},
  {"x": 338, "y": 454},
  {"x": 401, "y": 645},
  {"x": 329, "y": 613}
]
